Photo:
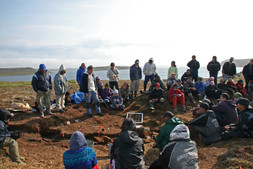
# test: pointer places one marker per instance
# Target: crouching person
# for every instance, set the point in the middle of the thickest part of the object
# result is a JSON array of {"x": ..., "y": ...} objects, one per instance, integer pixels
[
  {"x": 181, "y": 152},
  {"x": 6, "y": 137},
  {"x": 117, "y": 101},
  {"x": 156, "y": 96},
  {"x": 79, "y": 155},
  {"x": 206, "y": 125},
  {"x": 176, "y": 96}
]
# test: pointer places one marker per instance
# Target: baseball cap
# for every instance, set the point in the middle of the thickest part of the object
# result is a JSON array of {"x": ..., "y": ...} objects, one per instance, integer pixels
[
  {"x": 115, "y": 91},
  {"x": 168, "y": 114},
  {"x": 151, "y": 59},
  {"x": 243, "y": 101},
  {"x": 137, "y": 61},
  {"x": 232, "y": 58},
  {"x": 42, "y": 67}
]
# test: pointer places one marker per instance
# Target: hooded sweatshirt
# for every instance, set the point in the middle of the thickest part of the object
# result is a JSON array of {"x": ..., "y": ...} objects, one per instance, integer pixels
[
  {"x": 60, "y": 82},
  {"x": 131, "y": 150},
  {"x": 180, "y": 153},
  {"x": 79, "y": 74},
  {"x": 4, "y": 117},
  {"x": 163, "y": 137},
  {"x": 79, "y": 155},
  {"x": 149, "y": 69}
]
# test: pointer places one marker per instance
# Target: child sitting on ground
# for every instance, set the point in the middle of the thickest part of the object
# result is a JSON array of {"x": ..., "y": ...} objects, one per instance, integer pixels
[{"x": 117, "y": 101}]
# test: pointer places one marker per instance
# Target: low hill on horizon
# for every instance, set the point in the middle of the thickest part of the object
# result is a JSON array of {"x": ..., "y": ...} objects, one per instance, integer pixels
[{"x": 238, "y": 62}]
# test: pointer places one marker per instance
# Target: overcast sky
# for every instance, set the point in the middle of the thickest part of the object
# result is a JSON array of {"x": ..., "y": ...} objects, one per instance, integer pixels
[{"x": 97, "y": 32}]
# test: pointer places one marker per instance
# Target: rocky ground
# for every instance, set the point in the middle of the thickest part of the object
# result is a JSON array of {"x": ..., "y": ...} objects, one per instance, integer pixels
[{"x": 44, "y": 141}]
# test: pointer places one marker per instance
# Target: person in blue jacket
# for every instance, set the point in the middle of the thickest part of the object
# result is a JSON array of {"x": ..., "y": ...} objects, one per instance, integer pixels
[
  {"x": 79, "y": 155},
  {"x": 135, "y": 77},
  {"x": 79, "y": 74},
  {"x": 194, "y": 67},
  {"x": 200, "y": 86}
]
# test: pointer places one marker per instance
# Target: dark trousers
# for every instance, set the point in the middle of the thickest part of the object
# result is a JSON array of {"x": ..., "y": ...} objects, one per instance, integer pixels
[
  {"x": 114, "y": 83},
  {"x": 147, "y": 78},
  {"x": 215, "y": 76}
]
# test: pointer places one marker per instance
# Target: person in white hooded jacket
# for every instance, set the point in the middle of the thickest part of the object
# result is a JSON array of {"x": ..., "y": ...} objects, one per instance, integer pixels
[
  {"x": 149, "y": 71},
  {"x": 60, "y": 88}
]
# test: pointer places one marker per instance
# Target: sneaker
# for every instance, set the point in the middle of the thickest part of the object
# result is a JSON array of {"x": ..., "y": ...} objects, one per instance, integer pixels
[
  {"x": 90, "y": 115},
  {"x": 100, "y": 114},
  {"x": 151, "y": 108},
  {"x": 174, "y": 110}
]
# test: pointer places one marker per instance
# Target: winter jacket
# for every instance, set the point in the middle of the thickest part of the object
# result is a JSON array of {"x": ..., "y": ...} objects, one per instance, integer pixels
[
  {"x": 200, "y": 86},
  {"x": 60, "y": 82},
  {"x": 107, "y": 93},
  {"x": 208, "y": 127},
  {"x": 111, "y": 73},
  {"x": 163, "y": 137},
  {"x": 241, "y": 89},
  {"x": 79, "y": 155},
  {"x": 129, "y": 151},
  {"x": 79, "y": 74},
  {"x": 229, "y": 69},
  {"x": 124, "y": 92},
  {"x": 194, "y": 66},
  {"x": 245, "y": 123},
  {"x": 84, "y": 86},
  {"x": 149, "y": 69},
  {"x": 188, "y": 86},
  {"x": 247, "y": 71},
  {"x": 135, "y": 73},
  {"x": 180, "y": 153},
  {"x": 213, "y": 67},
  {"x": 226, "y": 112},
  {"x": 208, "y": 82},
  {"x": 4, "y": 117},
  {"x": 153, "y": 84},
  {"x": 116, "y": 100},
  {"x": 41, "y": 82},
  {"x": 156, "y": 94},
  {"x": 185, "y": 77},
  {"x": 173, "y": 70},
  {"x": 213, "y": 92},
  {"x": 172, "y": 93},
  {"x": 100, "y": 87}
]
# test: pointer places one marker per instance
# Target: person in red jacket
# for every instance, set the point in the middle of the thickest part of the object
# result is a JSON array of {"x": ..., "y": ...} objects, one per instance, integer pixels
[
  {"x": 175, "y": 96},
  {"x": 240, "y": 88}
]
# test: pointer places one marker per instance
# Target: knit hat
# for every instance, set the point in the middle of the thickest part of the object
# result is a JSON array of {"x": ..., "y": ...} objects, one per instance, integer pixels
[
  {"x": 232, "y": 58},
  {"x": 243, "y": 101},
  {"x": 115, "y": 91},
  {"x": 157, "y": 85},
  {"x": 168, "y": 114},
  {"x": 42, "y": 67}
]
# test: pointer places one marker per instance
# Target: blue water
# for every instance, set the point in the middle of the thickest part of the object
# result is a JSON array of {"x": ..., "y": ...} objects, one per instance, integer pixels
[{"x": 124, "y": 74}]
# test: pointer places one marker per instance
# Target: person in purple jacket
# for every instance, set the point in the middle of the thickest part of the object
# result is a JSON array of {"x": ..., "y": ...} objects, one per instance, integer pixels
[
  {"x": 225, "y": 111},
  {"x": 107, "y": 93}
]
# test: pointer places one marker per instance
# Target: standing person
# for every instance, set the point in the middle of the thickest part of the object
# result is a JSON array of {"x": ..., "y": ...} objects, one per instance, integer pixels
[
  {"x": 42, "y": 85},
  {"x": 229, "y": 69},
  {"x": 214, "y": 67},
  {"x": 128, "y": 149},
  {"x": 60, "y": 88},
  {"x": 99, "y": 85},
  {"x": 79, "y": 74},
  {"x": 135, "y": 77},
  {"x": 90, "y": 91},
  {"x": 248, "y": 72},
  {"x": 79, "y": 155},
  {"x": 149, "y": 71},
  {"x": 113, "y": 75},
  {"x": 194, "y": 66},
  {"x": 173, "y": 69}
]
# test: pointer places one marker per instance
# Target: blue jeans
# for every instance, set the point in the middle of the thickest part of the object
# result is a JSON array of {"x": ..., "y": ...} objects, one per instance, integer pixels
[
  {"x": 92, "y": 95},
  {"x": 147, "y": 78}
]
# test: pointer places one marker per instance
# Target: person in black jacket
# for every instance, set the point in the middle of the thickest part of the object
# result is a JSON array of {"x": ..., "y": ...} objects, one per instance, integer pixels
[
  {"x": 156, "y": 95},
  {"x": 248, "y": 72},
  {"x": 128, "y": 149},
  {"x": 212, "y": 91},
  {"x": 90, "y": 90},
  {"x": 244, "y": 127},
  {"x": 7, "y": 139},
  {"x": 186, "y": 75},
  {"x": 194, "y": 66},
  {"x": 229, "y": 69},
  {"x": 214, "y": 67}
]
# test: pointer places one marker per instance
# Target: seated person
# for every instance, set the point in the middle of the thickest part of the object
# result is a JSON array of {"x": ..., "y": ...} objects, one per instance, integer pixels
[
  {"x": 176, "y": 96},
  {"x": 116, "y": 101},
  {"x": 179, "y": 85},
  {"x": 7, "y": 139},
  {"x": 208, "y": 82},
  {"x": 240, "y": 88},
  {"x": 171, "y": 80},
  {"x": 99, "y": 85},
  {"x": 156, "y": 95},
  {"x": 244, "y": 127},
  {"x": 250, "y": 87},
  {"x": 224, "y": 87},
  {"x": 185, "y": 76},
  {"x": 190, "y": 90},
  {"x": 200, "y": 86},
  {"x": 181, "y": 152},
  {"x": 79, "y": 155},
  {"x": 107, "y": 93},
  {"x": 163, "y": 138},
  {"x": 231, "y": 85},
  {"x": 124, "y": 92},
  {"x": 128, "y": 149},
  {"x": 212, "y": 91},
  {"x": 196, "y": 109},
  {"x": 155, "y": 81},
  {"x": 225, "y": 111},
  {"x": 206, "y": 125}
]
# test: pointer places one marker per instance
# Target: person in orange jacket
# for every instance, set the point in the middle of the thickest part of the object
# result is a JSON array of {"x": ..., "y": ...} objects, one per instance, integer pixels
[{"x": 175, "y": 96}]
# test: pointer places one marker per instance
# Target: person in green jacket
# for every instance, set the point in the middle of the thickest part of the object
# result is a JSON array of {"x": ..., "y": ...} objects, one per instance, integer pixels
[
  {"x": 173, "y": 69},
  {"x": 163, "y": 138}
]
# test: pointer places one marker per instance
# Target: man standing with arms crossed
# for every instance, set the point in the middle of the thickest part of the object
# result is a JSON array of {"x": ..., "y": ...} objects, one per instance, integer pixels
[{"x": 135, "y": 76}]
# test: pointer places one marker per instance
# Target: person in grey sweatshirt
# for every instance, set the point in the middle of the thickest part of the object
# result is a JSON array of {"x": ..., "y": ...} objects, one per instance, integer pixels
[
  {"x": 113, "y": 75},
  {"x": 149, "y": 71}
]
